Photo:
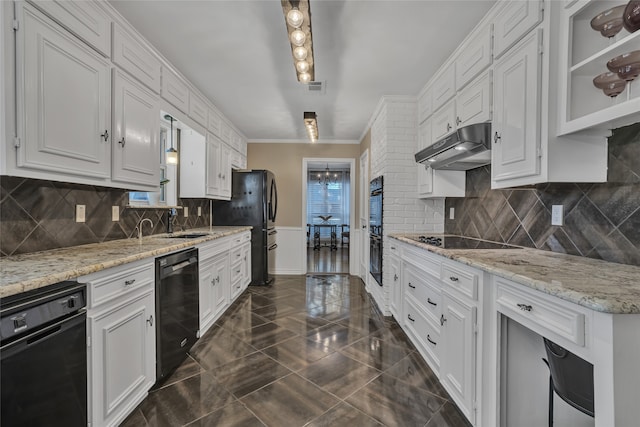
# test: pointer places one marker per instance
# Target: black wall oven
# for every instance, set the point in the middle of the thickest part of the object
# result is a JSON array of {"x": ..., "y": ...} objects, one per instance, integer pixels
[{"x": 375, "y": 229}]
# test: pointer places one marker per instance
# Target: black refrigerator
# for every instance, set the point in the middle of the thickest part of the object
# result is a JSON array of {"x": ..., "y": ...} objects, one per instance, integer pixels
[{"x": 254, "y": 201}]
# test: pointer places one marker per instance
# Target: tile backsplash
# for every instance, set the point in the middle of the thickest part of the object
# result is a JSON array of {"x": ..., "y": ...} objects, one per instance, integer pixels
[
  {"x": 600, "y": 220},
  {"x": 37, "y": 215}
]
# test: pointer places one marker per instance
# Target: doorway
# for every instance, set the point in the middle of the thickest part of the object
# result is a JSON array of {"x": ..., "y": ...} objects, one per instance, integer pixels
[{"x": 328, "y": 214}]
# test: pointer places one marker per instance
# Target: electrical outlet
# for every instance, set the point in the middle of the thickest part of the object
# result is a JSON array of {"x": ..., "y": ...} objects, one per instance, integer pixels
[
  {"x": 199, "y": 211},
  {"x": 80, "y": 213},
  {"x": 452, "y": 213},
  {"x": 185, "y": 210},
  {"x": 115, "y": 213},
  {"x": 557, "y": 217}
]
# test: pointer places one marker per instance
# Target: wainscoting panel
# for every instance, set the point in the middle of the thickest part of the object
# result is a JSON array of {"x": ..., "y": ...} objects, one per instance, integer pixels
[{"x": 291, "y": 252}]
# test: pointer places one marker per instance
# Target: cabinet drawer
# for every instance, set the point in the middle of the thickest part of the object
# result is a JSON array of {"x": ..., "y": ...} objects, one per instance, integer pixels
[
  {"x": 427, "y": 334},
  {"x": 111, "y": 284},
  {"x": 85, "y": 19},
  {"x": 175, "y": 90},
  {"x": 236, "y": 254},
  {"x": 422, "y": 259},
  {"x": 211, "y": 248},
  {"x": 133, "y": 57},
  {"x": 540, "y": 313},
  {"x": 424, "y": 293},
  {"x": 462, "y": 279}
]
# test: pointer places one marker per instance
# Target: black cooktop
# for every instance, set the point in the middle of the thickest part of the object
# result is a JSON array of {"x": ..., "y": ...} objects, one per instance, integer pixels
[{"x": 458, "y": 242}]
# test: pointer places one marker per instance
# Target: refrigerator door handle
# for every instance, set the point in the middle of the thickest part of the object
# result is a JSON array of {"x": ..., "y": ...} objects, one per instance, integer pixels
[
  {"x": 272, "y": 247},
  {"x": 273, "y": 201}
]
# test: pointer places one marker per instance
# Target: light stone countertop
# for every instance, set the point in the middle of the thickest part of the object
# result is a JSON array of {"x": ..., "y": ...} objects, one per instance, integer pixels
[
  {"x": 20, "y": 273},
  {"x": 599, "y": 285}
]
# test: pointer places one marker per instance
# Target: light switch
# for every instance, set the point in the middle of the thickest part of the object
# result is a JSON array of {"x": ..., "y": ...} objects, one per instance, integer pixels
[
  {"x": 199, "y": 211},
  {"x": 557, "y": 215},
  {"x": 80, "y": 213},
  {"x": 186, "y": 211},
  {"x": 452, "y": 213},
  {"x": 115, "y": 213}
]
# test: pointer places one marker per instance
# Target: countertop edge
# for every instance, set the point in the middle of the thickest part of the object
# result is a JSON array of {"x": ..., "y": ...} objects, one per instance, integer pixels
[{"x": 588, "y": 300}]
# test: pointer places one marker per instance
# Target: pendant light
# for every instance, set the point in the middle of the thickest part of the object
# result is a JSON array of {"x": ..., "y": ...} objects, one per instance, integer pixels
[{"x": 171, "y": 154}]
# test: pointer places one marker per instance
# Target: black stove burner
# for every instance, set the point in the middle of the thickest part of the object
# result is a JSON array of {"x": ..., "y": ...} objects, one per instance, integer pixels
[{"x": 458, "y": 242}]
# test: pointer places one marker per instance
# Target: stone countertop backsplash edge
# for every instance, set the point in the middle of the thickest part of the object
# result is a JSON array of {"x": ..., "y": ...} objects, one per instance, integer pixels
[
  {"x": 21, "y": 273},
  {"x": 598, "y": 285}
]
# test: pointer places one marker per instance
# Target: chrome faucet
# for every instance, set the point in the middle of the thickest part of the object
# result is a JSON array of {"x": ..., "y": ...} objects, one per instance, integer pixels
[{"x": 139, "y": 227}]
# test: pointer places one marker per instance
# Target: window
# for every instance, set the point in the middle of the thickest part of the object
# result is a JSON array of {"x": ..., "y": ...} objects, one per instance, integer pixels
[{"x": 328, "y": 199}]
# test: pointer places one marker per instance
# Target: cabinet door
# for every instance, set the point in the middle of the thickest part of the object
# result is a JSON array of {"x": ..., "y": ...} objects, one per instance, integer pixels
[
  {"x": 473, "y": 103},
  {"x": 123, "y": 358},
  {"x": 443, "y": 87},
  {"x": 61, "y": 81},
  {"x": 225, "y": 172},
  {"x": 198, "y": 109},
  {"x": 207, "y": 284},
  {"x": 136, "y": 128},
  {"x": 514, "y": 21},
  {"x": 214, "y": 177},
  {"x": 457, "y": 368},
  {"x": 175, "y": 90},
  {"x": 246, "y": 261},
  {"x": 424, "y": 105},
  {"x": 135, "y": 58},
  {"x": 443, "y": 121},
  {"x": 221, "y": 289},
  {"x": 396, "y": 286},
  {"x": 213, "y": 122},
  {"x": 474, "y": 57},
  {"x": 424, "y": 135},
  {"x": 516, "y": 123}
]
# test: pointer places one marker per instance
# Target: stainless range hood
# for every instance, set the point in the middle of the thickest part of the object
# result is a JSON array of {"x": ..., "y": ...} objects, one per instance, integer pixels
[{"x": 467, "y": 148}]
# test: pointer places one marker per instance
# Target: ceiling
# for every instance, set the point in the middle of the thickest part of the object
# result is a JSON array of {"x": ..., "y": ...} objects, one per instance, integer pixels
[{"x": 238, "y": 54}]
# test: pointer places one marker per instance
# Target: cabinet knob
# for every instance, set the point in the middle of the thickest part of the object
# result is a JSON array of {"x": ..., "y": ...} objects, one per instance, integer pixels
[
  {"x": 496, "y": 137},
  {"x": 395, "y": 277},
  {"x": 150, "y": 320},
  {"x": 458, "y": 121},
  {"x": 213, "y": 282},
  {"x": 122, "y": 142},
  {"x": 442, "y": 319},
  {"x": 105, "y": 135},
  {"x": 448, "y": 127},
  {"x": 217, "y": 279}
]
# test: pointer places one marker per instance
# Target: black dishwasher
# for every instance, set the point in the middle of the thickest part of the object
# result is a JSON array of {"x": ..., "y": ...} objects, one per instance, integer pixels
[
  {"x": 177, "y": 309},
  {"x": 43, "y": 354}
]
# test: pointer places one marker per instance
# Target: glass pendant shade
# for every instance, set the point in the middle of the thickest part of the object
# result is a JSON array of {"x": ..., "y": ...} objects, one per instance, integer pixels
[
  {"x": 171, "y": 156},
  {"x": 300, "y": 53},
  {"x": 302, "y": 66},
  {"x": 295, "y": 18},
  {"x": 298, "y": 37},
  {"x": 304, "y": 77}
]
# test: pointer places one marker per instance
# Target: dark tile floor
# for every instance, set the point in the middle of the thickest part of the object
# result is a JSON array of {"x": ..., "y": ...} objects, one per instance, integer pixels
[
  {"x": 324, "y": 260},
  {"x": 306, "y": 351}
]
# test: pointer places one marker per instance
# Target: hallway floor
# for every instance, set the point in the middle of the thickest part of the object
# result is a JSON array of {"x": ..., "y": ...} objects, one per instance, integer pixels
[
  {"x": 305, "y": 351},
  {"x": 324, "y": 260}
]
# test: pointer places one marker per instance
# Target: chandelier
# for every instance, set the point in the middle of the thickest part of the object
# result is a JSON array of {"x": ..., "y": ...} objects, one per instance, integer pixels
[{"x": 327, "y": 178}]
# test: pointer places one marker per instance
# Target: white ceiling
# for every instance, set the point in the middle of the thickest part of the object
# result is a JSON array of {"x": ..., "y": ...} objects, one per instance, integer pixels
[{"x": 238, "y": 54}]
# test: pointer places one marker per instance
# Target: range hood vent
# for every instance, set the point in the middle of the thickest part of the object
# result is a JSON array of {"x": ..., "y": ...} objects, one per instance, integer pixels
[{"x": 467, "y": 148}]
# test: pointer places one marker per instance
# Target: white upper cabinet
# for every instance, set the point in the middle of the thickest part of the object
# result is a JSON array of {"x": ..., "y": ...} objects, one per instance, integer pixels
[
  {"x": 136, "y": 121},
  {"x": 516, "y": 124},
  {"x": 473, "y": 103},
  {"x": 85, "y": 19},
  {"x": 64, "y": 101},
  {"x": 174, "y": 90},
  {"x": 424, "y": 105},
  {"x": 135, "y": 58},
  {"x": 474, "y": 57},
  {"x": 213, "y": 122},
  {"x": 443, "y": 86},
  {"x": 198, "y": 109},
  {"x": 586, "y": 53},
  {"x": 225, "y": 132},
  {"x": 443, "y": 121},
  {"x": 513, "y": 21}
]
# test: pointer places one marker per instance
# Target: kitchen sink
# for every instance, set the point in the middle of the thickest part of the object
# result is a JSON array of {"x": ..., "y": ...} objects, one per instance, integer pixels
[{"x": 187, "y": 236}]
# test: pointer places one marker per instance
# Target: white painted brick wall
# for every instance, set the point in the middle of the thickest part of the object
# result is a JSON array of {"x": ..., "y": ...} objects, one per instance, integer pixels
[{"x": 394, "y": 135}]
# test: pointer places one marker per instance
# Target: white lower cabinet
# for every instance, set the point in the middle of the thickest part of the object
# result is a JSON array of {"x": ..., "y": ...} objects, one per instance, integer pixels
[
  {"x": 395, "y": 303},
  {"x": 441, "y": 319},
  {"x": 121, "y": 340},
  {"x": 214, "y": 295}
]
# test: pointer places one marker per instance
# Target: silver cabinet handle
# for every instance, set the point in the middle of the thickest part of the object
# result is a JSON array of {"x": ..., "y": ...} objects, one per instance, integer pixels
[
  {"x": 448, "y": 127},
  {"x": 453, "y": 278},
  {"x": 129, "y": 282},
  {"x": 410, "y": 318},
  {"x": 395, "y": 277},
  {"x": 411, "y": 286},
  {"x": 150, "y": 320},
  {"x": 122, "y": 142},
  {"x": 496, "y": 137},
  {"x": 442, "y": 319},
  {"x": 525, "y": 307},
  {"x": 105, "y": 135},
  {"x": 430, "y": 340},
  {"x": 458, "y": 121},
  {"x": 431, "y": 302},
  {"x": 217, "y": 279}
]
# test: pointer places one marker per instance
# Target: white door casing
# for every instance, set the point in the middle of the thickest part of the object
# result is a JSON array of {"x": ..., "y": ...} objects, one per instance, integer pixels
[{"x": 364, "y": 216}]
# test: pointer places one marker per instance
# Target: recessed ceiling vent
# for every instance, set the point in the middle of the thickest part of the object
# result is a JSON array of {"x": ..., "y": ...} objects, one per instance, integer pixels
[{"x": 316, "y": 87}]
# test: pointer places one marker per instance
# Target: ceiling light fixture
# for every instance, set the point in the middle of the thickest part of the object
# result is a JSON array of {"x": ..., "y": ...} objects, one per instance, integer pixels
[
  {"x": 171, "y": 155},
  {"x": 311, "y": 124},
  {"x": 298, "y": 19}
]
